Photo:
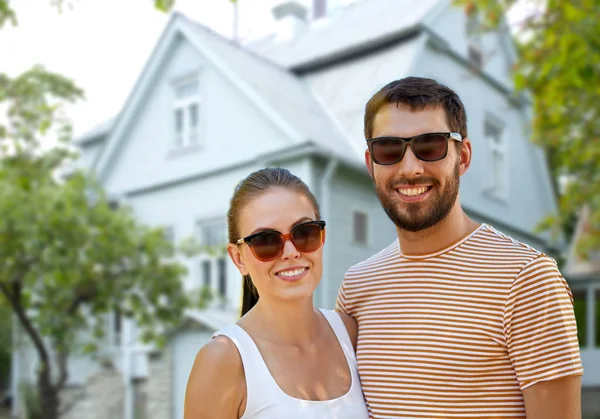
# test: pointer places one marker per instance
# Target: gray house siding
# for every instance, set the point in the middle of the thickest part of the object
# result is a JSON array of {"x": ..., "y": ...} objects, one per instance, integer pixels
[{"x": 351, "y": 191}]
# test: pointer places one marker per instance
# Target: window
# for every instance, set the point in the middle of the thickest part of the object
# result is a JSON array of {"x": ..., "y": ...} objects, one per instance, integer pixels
[
  {"x": 597, "y": 317},
  {"x": 212, "y": 235},
  {"x": 475, "y": 55},
  {"x": 580, "y": 309},
  {"x": 497, "y": 159},
  {"x": 117, "y": 325},
  {"x": 206, "y": 273},
  {"x": 359, "y": 227},
  {"x": 222, "y": 269},
  {"x": 186, "y": 112}
]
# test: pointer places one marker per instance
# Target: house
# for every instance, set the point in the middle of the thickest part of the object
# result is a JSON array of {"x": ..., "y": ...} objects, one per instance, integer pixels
[
  {"x": 583, "y": 275},
  {"x": 206, "y": 111}
]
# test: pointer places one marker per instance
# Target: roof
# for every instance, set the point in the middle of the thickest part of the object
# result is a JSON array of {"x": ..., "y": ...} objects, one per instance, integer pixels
[
  {"x": 97, "y": 132},
  {"x": 284, "y": 91},
  {"x": 270, "y": 82},
  {"x": 360, "y": 26}
]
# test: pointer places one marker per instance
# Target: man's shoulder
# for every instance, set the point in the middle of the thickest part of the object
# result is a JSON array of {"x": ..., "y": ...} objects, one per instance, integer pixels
[
  {"x": 507, "y": 247},
  {"x": 375, "y": 262}
]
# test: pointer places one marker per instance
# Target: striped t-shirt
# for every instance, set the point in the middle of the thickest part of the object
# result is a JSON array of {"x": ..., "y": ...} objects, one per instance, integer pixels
[{"x": 461, "y": 332}]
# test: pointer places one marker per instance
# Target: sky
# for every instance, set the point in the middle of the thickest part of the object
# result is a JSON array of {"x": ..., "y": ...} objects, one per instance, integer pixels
[{"x": 103, "y": 44}]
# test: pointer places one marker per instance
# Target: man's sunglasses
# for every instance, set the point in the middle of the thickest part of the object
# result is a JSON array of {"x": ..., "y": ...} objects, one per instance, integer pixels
[
  {"x": 426, "y": 147},
  {"x": 268, "y": 245}
]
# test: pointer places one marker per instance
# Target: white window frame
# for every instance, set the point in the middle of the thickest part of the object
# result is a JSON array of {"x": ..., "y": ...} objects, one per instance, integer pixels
[
  {"x": 500, "y": 148},
  {"x": 189, "y": 138}
]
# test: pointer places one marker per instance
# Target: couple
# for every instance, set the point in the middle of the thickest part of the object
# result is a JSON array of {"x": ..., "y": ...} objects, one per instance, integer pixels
[{"x": 452, "y": 320}]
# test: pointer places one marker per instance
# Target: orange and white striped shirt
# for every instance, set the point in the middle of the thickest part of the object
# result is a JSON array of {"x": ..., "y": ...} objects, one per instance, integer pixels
[{"x": 461, "y": 332}]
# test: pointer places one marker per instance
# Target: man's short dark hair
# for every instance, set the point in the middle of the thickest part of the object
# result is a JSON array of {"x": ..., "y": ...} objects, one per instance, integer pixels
[{"x": 418, "y": 93}]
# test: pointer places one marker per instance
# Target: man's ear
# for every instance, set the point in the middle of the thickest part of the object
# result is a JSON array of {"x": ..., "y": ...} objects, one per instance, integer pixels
[
  {"x": 466, "y": 152},
  {"x": 369, "y": 162},
  {"x": 237, "y": 258}
]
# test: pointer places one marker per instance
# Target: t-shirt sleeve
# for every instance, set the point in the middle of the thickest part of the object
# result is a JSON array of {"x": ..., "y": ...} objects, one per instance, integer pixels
[
  {"x": 539, "y": 325},
  {"x": 342, "y": 304}
]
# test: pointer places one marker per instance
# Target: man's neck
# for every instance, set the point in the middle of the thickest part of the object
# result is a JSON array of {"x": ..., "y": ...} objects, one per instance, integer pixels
[{"x": 451, "y": 229}]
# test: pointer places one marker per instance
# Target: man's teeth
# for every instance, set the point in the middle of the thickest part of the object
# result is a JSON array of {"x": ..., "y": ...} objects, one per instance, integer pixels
[
  {"x": 292, "y": 273},
  {"x": 413, "y": 191}
]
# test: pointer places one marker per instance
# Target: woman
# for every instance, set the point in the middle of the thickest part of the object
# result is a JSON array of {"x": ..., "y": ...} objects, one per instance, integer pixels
[{"x": 283, "y": 358}]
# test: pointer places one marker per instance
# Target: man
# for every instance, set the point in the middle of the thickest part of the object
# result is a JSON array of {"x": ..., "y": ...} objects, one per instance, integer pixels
[{"x": 455, "y": 319}]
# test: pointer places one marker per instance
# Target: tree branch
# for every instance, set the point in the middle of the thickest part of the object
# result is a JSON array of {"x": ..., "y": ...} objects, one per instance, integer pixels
[{"x": 25, "y": 321}]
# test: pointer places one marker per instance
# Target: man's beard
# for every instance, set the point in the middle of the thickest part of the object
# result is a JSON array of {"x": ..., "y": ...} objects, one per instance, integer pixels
[{"x": 419, "y": 216}]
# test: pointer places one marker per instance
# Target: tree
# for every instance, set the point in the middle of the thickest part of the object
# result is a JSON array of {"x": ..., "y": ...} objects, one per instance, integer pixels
[
  {"x": 68, "y": 255},
  {"x": 559, "y": 66}
]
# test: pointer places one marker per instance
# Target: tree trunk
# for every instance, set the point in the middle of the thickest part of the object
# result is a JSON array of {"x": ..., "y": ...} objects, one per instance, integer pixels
[{"x": 48, "y": 395}]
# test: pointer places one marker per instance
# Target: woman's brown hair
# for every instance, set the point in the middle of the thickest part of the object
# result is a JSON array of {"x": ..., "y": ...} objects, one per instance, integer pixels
[{"x": 256, "y": 184}]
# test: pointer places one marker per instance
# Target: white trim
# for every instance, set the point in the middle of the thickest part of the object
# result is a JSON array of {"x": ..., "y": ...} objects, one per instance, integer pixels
[
  {"x": 491, "y": 183},
  {"x": 128, "y": 111}
]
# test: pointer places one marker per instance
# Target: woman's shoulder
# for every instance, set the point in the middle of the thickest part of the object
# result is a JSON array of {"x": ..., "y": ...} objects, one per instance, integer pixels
[
  {"x": 217, "y": 370},
  {"x": 218, "y": 357}
]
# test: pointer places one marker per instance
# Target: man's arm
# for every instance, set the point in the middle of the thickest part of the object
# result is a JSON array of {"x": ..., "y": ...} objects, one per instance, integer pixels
[
  {"x": 555, "y": 399},
  {"x": 541, "y": 338}
]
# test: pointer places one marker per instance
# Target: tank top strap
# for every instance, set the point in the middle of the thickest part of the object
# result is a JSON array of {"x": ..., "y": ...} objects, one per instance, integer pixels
[
  {"x": 343, "y": 337},
  {"x": 261, "y": 389}
]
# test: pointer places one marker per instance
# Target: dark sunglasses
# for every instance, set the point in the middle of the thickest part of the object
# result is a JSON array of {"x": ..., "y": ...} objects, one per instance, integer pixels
[
  {"x": 268, "y": 245},
  {"x": 426, "y": 147}
]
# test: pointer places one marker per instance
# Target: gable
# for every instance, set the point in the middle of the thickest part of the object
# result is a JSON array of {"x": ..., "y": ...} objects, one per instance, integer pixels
[
  {"x": 451, "y": 23},
  {"x": 353, "y": 30},
  {"x": 230, "y": 128},
  {"x": 295, "y": 115}
]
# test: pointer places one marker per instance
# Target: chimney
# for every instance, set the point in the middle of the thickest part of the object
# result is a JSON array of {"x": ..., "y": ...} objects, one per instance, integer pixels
[
  {"x": 290, "y": 18},
  {"x": 319, "y": 9}
]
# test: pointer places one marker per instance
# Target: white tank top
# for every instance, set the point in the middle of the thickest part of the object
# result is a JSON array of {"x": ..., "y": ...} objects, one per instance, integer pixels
[{"x": 266, "y": 400}]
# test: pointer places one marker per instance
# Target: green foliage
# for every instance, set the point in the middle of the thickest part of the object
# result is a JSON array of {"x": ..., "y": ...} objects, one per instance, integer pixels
[
  {"x": 31, "y": 401},
  {"x": 68, "y": 256},
  {"x": 205, "y": 296},
  {"x": 64, "y": 248},
  {"x": 559, "y": 66}
]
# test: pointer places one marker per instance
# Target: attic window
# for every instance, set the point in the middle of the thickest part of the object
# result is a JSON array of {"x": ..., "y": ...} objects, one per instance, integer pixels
[
  {"x": 475, "y": 56},
  {"x": 186, "y": 112}
]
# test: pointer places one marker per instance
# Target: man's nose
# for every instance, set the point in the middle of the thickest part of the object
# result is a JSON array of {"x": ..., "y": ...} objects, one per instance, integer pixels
[{"x": 410, "y": 165}]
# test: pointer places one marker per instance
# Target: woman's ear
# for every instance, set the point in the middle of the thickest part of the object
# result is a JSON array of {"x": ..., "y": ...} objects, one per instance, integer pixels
[{"x": 237, "y": 258}]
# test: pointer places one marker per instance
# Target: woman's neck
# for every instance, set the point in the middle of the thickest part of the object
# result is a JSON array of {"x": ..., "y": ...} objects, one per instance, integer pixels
[{"x": 287, "y": 322}]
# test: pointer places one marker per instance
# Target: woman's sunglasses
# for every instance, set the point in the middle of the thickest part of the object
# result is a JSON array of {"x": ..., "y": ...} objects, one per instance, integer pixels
[
  {"x": 426, "y": 147},
  {"x": 268, "y": 245}
]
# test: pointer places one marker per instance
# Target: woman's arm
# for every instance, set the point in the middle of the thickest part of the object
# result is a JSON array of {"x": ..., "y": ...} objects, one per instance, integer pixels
[{"x": 216, "y": 388}]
